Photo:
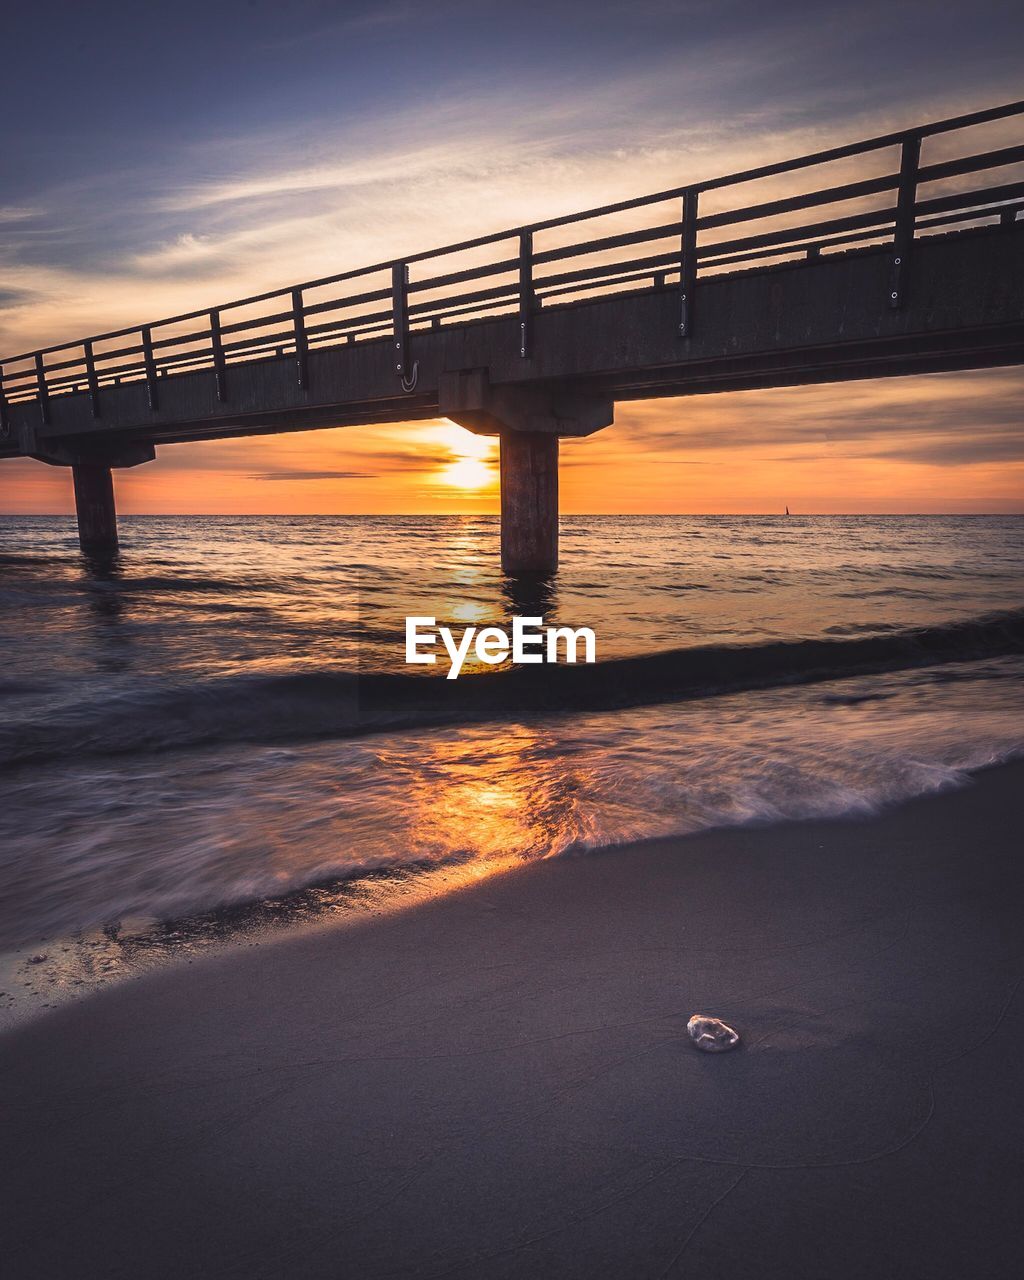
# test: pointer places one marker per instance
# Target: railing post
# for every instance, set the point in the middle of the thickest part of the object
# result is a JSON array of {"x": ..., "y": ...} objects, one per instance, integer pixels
[
  {"x": 301, "y": 342},
  {"x": 525, "y": 293},
  {"x": 44, "y": 396},
  {"x": 688, "y": 263},
  {"x": 219, "y": 367},
  {"x": 152, "y": 385},
  {"x": 400, "y": 316},
  {"x": 906, "y": 203},
  {"x": 5, "y": 424},
  {"x": 93, "y": 381}
]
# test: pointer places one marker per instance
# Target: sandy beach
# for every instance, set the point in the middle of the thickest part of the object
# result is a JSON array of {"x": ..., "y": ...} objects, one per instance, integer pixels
[{"x": 498, "y": 1083}]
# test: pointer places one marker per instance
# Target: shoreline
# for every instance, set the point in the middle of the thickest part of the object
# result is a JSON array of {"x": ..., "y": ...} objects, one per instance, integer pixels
[
  {"x": 48, "y": 972},
  {"x": 498, "y": 1082}
]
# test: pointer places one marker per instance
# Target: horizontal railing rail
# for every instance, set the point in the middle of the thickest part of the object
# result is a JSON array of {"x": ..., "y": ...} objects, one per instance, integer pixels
[{"x": 389, "y": 302}]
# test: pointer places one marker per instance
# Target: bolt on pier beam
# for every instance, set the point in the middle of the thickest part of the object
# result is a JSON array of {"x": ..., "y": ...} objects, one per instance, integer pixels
[
  {"x": 94, "y": 504},
  {"x": 529, "y": 501}
]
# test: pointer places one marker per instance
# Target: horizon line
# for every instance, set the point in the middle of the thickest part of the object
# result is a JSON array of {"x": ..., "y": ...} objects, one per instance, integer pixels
[{"x": 491, "y": 515}]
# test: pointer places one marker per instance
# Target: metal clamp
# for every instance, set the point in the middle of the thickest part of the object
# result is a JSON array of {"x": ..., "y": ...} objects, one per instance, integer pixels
[
  {"x": 219, "y": 363},
  {"x": 91, "y": 378},
  {"x": 41, "y": 390},
  {"x": 301, "y": 341},
  {"x": 149, "y": 361},
  {"x": 906, "y": 203},
  {"x": 687, "y": 263},
  {"x": 400, "y": 318},
  {"x": 526, "y": 298}
]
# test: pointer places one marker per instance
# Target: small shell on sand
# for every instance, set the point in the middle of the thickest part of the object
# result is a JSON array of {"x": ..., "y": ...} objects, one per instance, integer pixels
[{"x": 711, "y": 1035}]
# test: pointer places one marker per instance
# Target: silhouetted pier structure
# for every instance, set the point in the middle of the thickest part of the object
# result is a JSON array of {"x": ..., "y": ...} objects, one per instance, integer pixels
[{"x": 871, "y": 259}]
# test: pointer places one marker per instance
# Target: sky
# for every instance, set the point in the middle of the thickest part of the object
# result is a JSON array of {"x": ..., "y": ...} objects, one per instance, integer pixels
[{"x": 159, "y": 158}]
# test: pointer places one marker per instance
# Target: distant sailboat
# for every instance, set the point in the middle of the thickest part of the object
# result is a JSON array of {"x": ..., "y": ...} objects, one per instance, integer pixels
[{"x": 787, "y": 511}]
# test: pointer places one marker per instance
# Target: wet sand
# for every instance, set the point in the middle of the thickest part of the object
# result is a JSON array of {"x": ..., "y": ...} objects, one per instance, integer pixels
[{"x": 498, "y": 1083}]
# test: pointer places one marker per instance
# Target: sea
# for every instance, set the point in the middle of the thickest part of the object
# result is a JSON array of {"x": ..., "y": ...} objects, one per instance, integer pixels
[{"x": 215, "y": 735}]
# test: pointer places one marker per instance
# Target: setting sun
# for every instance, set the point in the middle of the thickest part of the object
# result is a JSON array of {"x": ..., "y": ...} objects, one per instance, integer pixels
[
  {"x": 468, "y": 473},
  {"x": 473, "y": 464}
]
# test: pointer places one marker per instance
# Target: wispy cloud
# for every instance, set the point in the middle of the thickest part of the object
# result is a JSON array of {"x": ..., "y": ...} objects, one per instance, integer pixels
[
  {"x": 289, "y": 476},
  {"x": 15, "y": 213},
  {"x": 934, "y": 419},
  {"x": 231, "y": 214}
]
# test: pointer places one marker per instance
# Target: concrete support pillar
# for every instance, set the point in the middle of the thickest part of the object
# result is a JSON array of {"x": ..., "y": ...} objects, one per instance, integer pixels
[
  {"x": 529, "y": 502},
  {"x": 94, "y": 503},
  {"x": 528, "y": 420}
]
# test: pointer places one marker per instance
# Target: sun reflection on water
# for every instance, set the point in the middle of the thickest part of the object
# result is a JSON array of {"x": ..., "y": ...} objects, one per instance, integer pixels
[{"x": 492, "y": 789}]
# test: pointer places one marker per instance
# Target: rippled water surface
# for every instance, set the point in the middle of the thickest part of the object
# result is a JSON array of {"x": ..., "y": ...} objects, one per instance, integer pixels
[{"x": 223, "y": 716}]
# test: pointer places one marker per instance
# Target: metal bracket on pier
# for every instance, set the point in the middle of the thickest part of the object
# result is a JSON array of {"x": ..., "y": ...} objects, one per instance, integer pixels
[
  {"x": 400, "y": 317},
  {"x": 219, "y": 363},
  {"x": 526, "y": 298},
  {"x": 903, "y": 239},
  {"x": 152, "y": 386},
  {"x": 41, "y": 391},
  {"x": 91, "y": 378},
  {"x": 301, "y": 341},
  {"x": 408, "y": 370},
  {"x": 687, "y": 263}
]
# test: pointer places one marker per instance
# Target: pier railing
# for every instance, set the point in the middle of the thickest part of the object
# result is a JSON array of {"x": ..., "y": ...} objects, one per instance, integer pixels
[{"x": 876, "y": 192}]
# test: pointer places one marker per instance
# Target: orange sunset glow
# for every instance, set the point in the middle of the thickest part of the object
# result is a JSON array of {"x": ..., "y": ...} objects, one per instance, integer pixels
[{"x": 938, "y": 443}]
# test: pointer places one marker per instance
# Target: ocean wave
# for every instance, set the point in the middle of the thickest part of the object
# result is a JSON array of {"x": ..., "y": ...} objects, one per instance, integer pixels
[{"x": 318, "y": 704}]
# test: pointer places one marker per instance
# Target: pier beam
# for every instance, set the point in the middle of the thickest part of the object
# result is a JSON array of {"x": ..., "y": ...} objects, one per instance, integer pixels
[
  {"x": 94, "y": 504},
  {"x": 529, "y": 502},
  {"x": 528, "y": 420}
]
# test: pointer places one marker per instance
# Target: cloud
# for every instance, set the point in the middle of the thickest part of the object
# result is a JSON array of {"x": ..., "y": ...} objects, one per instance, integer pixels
[
  {"x": 232, "y": 214},
  {"x": 939, "y": 420},
  {"x": 14, "y": 213},
  {"x": 313, "y": 475},
  {"x": 970, "y": 448}
]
